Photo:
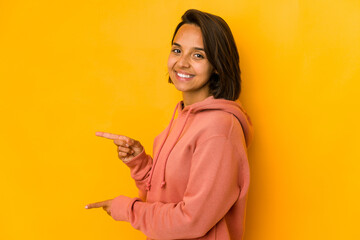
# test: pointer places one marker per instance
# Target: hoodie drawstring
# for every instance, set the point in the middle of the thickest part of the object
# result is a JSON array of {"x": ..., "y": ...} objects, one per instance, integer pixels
[
  {"x": 163, "y": 183},
  {"x": 148, "y": 184}
]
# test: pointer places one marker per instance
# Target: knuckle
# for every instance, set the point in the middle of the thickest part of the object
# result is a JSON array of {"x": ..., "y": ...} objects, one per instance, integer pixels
[{"x": 118, "y": 142}]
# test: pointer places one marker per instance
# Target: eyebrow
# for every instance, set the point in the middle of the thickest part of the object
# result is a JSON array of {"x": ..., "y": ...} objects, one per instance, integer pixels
[{"x": 196, "y": 48}]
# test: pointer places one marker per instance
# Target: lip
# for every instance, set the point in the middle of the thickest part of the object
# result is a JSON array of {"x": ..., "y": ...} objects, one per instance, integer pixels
[{"x": 183, "y": 78}]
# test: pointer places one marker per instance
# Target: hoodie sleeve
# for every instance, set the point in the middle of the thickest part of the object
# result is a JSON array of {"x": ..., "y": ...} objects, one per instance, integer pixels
[
  {"x": 211, "y": 191},
  {"x": 140, "y": 167}
]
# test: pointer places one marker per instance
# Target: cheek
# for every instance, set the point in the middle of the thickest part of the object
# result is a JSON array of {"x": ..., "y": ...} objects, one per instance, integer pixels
[
  {"x": 204, "y": 69},
  {"x": 170, "y": 63},
  {"x": 209, "y": 69}
]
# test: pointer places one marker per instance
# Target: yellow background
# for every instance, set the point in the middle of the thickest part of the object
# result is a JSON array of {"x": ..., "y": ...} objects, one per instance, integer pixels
[{"x": 70, "y": 68}]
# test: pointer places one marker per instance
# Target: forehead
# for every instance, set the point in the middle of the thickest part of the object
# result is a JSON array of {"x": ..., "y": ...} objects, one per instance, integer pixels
[{"x": 189, "y": 35}]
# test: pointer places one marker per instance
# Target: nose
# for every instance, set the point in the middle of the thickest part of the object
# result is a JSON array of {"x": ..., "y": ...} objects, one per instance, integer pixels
[{"x": 183, "y": 61}]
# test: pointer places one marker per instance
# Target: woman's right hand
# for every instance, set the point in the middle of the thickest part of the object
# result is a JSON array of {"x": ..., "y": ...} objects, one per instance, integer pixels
[{"x": 127, "y": 148}]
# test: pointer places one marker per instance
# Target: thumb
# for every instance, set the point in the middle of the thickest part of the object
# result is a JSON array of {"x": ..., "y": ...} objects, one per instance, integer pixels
[{"x": 133, "y": 143}]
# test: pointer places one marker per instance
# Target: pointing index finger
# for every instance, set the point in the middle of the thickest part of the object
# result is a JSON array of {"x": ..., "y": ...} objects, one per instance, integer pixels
[
  {"x": 97, "y": 204},
  {"x": 111, "y": 136}
]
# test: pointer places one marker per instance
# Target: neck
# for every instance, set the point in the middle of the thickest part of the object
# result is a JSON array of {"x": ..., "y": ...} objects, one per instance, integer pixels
[{"x": 189, "y": 98}]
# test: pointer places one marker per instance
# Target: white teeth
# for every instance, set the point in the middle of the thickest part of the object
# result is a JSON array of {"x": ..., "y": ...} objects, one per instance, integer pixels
[{"x": 183, "y": 75}]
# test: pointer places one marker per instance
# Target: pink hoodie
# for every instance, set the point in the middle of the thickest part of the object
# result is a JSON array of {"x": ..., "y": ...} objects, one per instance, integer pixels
[{"x": 197, "y": 185}]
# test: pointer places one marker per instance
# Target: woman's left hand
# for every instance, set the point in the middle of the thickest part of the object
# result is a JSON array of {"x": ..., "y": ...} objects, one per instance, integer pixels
[
  {"x": 104, "y": 204},
  {"x": 117, "y": 208}
]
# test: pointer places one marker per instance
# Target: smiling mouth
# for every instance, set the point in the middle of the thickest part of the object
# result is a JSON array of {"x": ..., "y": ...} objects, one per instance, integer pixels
[{"x": 183, "y": 75}]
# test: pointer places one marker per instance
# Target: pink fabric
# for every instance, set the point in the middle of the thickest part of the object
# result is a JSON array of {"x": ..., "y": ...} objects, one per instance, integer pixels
[
  {"x": 200, "y": 182},
  {"x": 118, "y": 205}
]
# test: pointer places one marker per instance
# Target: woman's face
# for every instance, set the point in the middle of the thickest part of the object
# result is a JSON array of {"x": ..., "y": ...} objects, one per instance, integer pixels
[{"x": 188, "y": 66}]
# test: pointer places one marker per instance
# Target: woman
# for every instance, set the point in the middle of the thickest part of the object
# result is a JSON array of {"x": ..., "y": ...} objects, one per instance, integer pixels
[{"x": 196, "y": 186}]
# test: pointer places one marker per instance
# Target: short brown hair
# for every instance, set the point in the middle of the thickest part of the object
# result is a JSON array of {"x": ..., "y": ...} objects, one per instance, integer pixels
[{"x": 221, "y": 51}]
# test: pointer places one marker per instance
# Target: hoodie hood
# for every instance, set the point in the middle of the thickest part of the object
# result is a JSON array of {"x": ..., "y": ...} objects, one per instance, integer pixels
[
  {"x": 208, "y": 104},
  {"x": 233, "y": 107}
]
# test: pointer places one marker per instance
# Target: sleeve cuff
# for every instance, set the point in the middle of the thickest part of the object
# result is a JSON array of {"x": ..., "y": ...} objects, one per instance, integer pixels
[
  {"x": 120, "y": 207},
  {"x": 133, "y": 161}
]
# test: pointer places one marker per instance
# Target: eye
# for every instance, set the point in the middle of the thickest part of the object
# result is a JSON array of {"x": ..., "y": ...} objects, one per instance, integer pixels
[
  {"x": 197, "y": 55},
  {"x": 175, "y": 50}
]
